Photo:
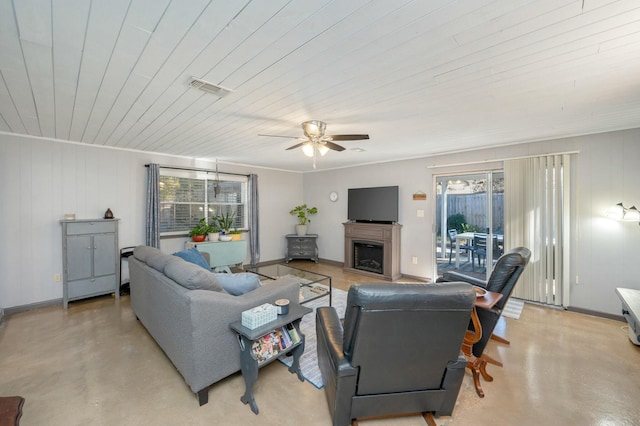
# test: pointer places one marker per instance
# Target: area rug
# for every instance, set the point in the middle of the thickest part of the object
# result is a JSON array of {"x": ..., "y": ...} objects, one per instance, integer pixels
[
  {"x": 309, "y": 359},
  {"x": 513, "y": 308}
]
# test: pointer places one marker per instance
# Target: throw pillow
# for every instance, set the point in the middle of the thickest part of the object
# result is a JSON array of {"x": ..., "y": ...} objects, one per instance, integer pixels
[
  {"x": 194, "y": 256},
  {"x": 238, "y": 284},
  {"x": 191, "y": 276}
]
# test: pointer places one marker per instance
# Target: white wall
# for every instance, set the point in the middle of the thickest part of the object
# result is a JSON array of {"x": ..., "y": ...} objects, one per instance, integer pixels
[
  {"x": 604, "y": 253},
  {"x": 41, "y": 180}
]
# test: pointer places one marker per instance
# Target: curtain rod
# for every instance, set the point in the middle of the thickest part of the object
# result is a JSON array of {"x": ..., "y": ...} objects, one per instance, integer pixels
[
  {"x": 192, "y": 169},
  {"x": 500, "y": 159}
]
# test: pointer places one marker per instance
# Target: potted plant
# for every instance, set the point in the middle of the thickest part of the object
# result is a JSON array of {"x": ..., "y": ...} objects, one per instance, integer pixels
[
  {"x": 302, "y": 213},
  {"x": 236, "y": 234},
  {"x": 199, "y": 232},
  {"x": 214, "y": 229},
  {"x": 225, "y": 222}
]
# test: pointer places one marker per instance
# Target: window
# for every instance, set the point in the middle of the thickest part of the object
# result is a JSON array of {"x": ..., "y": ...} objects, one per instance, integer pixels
[{"x": 186, "y": 197}]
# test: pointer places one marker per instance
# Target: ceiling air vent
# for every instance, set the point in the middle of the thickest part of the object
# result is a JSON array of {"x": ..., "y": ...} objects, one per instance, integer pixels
[{"x": 205, "y": 86}]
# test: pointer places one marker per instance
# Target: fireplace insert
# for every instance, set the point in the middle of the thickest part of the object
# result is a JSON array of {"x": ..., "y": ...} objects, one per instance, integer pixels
[{"x": 368, "y": 256}]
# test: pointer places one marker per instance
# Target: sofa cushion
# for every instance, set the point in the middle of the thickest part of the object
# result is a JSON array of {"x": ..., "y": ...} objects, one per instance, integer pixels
[
  {"x": 143, "y": 252},
  {"x": 159, "y": 260},
  {"x": 238, "y": 284},
  {"x": 191, "y": 276},
  {"x": 194, "y": 256}
]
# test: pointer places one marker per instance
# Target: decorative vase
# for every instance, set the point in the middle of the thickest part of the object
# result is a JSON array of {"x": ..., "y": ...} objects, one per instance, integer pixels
[
  {"x": 214, "y": 236},
  {"x": 198, "y": 238},
  {"x": 225, "y": 238},
  {"x": 108, "y": 214},
  {"x": 301, "y": 230}
]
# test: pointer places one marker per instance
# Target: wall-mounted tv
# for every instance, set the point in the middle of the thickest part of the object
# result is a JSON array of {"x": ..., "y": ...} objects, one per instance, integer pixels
[{"x": 375, "y": 205}]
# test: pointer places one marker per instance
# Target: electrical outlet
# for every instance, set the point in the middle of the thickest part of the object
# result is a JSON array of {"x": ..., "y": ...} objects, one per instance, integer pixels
[
  {"x": 56, "y": 278},
  {"x": 420, "y": 213},
  {"x": 414, "y": 260},
  {"x": 577, "y": 281}
]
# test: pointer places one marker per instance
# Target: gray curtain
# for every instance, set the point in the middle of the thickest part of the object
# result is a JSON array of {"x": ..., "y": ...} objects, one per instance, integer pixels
[
  {"x": 254, "y": 222},
  {"x": 153, "y": 206}
]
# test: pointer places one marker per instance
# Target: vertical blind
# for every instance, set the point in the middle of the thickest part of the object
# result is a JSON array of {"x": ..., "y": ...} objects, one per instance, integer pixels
[{"x": 537, "y": 216}]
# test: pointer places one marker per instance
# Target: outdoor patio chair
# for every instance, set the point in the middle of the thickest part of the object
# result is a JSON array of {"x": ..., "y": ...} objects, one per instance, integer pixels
[{"x": 453, "y": 236}]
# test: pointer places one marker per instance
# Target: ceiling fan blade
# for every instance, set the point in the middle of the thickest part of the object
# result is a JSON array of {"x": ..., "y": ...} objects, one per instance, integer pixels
[
  {"x": 281, "y": 136},
  {"x": 298, "y": 145},
  {"x": 333, "y": 146},
  {"x": 348, "y": 137}
]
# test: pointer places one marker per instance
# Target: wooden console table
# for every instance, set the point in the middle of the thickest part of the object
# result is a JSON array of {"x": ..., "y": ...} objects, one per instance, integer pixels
[{"x": 478, "y": 366}]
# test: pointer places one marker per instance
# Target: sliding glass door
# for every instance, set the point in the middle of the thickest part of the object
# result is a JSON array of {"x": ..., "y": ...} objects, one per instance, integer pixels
[{"x": 469, "y": 222}]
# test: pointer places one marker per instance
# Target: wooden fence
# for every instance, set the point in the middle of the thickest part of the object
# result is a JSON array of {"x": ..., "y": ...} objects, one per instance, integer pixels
[{"x": 473, "y": 207}]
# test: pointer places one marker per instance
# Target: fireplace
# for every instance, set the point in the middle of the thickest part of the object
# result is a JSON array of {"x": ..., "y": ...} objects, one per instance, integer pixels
[
  {"x": 368, "y": 256},
  {"x": 372, "y": 249}
]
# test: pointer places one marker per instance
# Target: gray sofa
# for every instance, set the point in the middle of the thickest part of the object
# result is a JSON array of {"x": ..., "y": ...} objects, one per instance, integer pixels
[{"x": 189, "y": 323}]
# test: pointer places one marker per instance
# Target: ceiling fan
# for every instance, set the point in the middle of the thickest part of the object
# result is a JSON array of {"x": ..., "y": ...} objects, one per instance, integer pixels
[{"x": 316, "y": 141}]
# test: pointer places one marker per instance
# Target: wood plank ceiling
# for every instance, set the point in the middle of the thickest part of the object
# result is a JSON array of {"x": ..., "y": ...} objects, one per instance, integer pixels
[{"x": 420, "y": 77}]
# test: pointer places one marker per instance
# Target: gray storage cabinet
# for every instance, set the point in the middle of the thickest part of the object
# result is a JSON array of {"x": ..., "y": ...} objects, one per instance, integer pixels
[
  {"x": 90, "y": 258},
  {"x": 302, "y": 247}
]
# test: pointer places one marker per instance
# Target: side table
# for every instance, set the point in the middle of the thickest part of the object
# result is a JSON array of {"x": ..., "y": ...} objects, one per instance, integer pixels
[
  {"x": 249, "y": 364},
  {"x": 302, "y": 247},
  {"x": 478, "y": 366}
]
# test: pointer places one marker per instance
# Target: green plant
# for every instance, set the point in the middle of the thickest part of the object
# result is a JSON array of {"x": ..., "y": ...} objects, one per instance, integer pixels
[
  {"x": 457, "y": 222},
  {"x": 214, "y": 226},
  {"x": 200, "y": 229},
  {"x": 303, "y": 212},
  {"x": 225, "y": 221},
  {"x": 235, "y": 231}
]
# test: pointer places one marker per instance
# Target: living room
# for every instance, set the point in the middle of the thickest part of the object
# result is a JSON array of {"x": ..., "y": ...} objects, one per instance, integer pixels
[{"x": 84, "y": 150}]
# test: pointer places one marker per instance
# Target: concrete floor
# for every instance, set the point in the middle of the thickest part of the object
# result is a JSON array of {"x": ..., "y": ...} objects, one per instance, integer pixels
[{"x": 96, "y": 365}]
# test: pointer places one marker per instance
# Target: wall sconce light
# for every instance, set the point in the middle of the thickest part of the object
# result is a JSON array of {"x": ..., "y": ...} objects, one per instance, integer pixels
[{"x": 620, "y": 212}]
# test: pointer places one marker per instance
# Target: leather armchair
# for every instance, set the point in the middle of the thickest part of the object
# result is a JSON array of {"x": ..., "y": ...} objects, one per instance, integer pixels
[
  {"x": 397, "y": 352},
  {"x": 503, "y": 279}
]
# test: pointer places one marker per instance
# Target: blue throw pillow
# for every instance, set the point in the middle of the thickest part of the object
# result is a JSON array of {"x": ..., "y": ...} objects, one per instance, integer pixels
[
  {"x": 194, "y": 256},
  {"x": 238, "y": 284}
]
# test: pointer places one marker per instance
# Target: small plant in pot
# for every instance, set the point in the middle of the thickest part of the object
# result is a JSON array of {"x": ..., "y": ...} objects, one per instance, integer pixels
[
  {"x": 302, "y": 213},
  {"x": 214, "y": 229},
  {"x": 225, "y": 222},
  {"x": 199, "y": 232}
]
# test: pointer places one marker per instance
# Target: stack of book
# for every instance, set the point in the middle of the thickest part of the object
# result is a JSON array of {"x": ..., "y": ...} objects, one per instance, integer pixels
[{"x": 275, "y": 343}]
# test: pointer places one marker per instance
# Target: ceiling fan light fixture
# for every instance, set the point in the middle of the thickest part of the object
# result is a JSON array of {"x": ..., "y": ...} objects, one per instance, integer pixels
[
  {"x": 323, "y": 149},
  {"x": 307, "y": 148},
  {"x": 314, "y": 128}
]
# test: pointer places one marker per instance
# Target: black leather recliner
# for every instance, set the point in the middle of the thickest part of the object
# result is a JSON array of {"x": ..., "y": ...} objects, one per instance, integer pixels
[
  {"x": 503, "y": 279},
  {"x": 398, "y": 351}
]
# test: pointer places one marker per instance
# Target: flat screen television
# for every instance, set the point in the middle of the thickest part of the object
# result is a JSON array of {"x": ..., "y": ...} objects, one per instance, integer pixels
[{"x": 375, "y": 205}]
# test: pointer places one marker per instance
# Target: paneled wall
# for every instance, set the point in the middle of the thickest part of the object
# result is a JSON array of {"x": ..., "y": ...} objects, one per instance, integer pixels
[
  {"x": 604, "y": 252},
  {"x": 41, "y": 180}
]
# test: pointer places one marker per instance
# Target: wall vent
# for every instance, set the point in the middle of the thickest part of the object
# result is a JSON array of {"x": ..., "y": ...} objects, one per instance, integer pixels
[{"x": 208, "y": 87}]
